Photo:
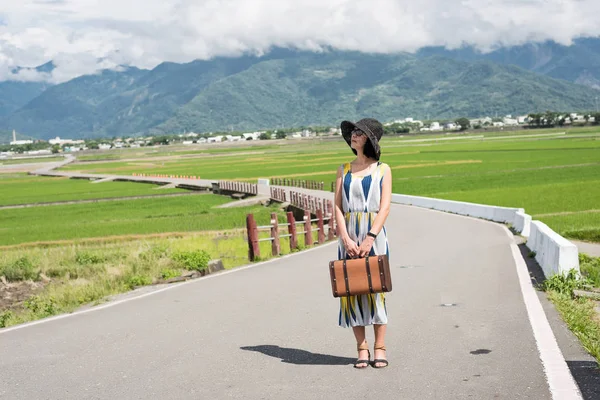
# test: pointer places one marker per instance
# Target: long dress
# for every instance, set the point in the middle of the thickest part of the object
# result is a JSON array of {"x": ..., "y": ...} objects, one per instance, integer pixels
[{"x": 360, "y": 203}]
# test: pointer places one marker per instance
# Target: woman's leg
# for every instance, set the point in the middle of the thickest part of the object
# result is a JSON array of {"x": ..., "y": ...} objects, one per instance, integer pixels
[
  {"x": 379, "y": 331},
  {"x": 359, "y": 334}
]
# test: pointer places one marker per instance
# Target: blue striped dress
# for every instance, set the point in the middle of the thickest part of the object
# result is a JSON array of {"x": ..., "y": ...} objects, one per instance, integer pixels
[{"x": 361, "y": 196}]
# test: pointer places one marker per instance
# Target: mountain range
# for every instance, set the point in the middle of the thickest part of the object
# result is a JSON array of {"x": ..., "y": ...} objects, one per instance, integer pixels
[{"x": 293, "y": 88}]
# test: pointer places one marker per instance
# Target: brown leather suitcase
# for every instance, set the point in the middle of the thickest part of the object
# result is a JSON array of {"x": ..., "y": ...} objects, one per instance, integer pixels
[{"x": 360, "y": 276}]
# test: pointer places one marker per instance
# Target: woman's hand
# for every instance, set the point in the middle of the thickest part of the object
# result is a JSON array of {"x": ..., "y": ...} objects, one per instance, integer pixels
[
  {"x": 365, "y": 247},
  {"x": 351, "y": 247}
]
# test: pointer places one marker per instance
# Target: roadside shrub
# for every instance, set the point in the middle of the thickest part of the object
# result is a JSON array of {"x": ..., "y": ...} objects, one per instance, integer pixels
[
  {"x": 169, "y": 273},
  {"x": 138, "y": 280},
  {"x": 196, "y": 260},
  {"x": 21, "y": 269},
  {"x": 42, "y": 307},
  {"x": 590, "y": 268},
  {"x": 5, "y": 317},
  {"x": 565, "y": 283},
  {"x": 85, "y": 258}
]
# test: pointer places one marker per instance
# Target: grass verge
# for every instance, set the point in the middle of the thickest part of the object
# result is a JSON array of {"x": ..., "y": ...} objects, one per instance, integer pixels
[
  {"x": 39, "y": 282},
  {"x": 579, "y": 313}
]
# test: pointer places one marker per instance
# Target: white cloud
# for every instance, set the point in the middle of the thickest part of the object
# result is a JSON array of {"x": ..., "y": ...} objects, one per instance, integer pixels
[{"x": 84, "y": 36}]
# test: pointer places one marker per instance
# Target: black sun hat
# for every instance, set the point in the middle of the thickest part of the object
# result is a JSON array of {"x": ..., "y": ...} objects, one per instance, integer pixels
[{"x": 370, "y": 126}]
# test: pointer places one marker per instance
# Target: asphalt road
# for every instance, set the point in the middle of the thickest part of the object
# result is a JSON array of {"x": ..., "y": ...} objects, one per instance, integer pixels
[{"x": 270, "y": 331}]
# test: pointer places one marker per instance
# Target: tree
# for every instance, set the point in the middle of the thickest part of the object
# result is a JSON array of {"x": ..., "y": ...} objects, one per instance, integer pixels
[
  {"x": 535, "y": 119},
  {"x": 264, "y": 136},
  {"x": 550, "y": 118},
  {"x": 55, "y": 149},
  {"x": 395, "y": 129},
  {"x": 464, "y": 123},
  {"x": 280, "y": 135}
]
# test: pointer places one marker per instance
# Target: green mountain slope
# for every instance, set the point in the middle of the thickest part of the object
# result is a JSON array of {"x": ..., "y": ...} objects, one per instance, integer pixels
[
  {"x": 14, "y": 95},
  {"x": 325, "y": 89},
  {"x": 288, "y": 88},
  {"x": 115, "y": 103},
  {"x": 579, "y": 63}
]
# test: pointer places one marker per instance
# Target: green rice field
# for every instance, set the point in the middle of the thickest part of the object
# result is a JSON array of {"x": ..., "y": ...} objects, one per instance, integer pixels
[
  {"x": 124, "y": 217},
  {"x": 28, "y": 189},
  {"x": 554, "y": 176}
]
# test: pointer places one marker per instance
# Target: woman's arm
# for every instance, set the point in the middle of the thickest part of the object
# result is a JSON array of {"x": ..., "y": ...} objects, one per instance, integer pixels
[
  {"x": 384, "y": 211},
  {"x": 342, "y": 231}
]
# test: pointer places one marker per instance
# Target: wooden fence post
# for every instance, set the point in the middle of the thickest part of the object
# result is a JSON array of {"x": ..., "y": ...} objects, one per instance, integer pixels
[
  {"x": 292, "y": 231},
  {"x": 253, "y": 246},
  {"x": 275, "y": 245},
  {"x": 321, "y": 233},
  {"x": 308, "y": 240}
]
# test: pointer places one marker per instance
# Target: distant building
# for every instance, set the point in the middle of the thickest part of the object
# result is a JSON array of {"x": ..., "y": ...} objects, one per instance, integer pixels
[
  {"x": 451, "y": 126},
  {"x": 522, "y": 119},
  {"x": 61, "y": 142},
  {"x": 16, "y": 142},
  {"x": 215, "y": 139},
  {"x": 251, "y": 136}
]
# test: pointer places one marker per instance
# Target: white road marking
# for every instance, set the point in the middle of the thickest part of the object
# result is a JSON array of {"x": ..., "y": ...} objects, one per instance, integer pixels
[{"x": 558, "y": 375}]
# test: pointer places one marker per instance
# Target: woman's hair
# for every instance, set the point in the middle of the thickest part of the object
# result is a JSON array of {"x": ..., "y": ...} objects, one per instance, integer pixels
[{"x": 369, "y": 151}]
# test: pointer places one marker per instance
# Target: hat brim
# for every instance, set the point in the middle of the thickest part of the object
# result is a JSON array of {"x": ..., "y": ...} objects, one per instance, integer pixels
[{"x": 347, "y": 128}]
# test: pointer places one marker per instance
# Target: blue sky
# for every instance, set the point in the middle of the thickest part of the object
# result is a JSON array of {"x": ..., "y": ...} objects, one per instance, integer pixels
[{"x": 84, "y": 36}]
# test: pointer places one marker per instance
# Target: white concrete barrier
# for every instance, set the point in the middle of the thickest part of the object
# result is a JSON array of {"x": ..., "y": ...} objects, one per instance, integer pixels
[
  {"x": 554, "y": 253},
  {"x": 522, "y": 223},
  {"x": 492, "y": 213}
]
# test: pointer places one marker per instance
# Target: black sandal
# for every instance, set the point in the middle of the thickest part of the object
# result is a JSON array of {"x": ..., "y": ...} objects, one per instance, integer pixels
[
  {"x": 380, "y": 360},
  {"x": 360, "y": 347}
]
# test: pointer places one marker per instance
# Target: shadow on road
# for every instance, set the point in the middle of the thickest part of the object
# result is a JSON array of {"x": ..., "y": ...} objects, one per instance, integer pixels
[
  {"x": 587, "y": 376},
  {"x": 300, "y": 357}
]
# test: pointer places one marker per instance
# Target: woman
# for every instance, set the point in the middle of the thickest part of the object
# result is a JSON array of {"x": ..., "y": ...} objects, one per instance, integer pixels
[{"x": 362, "y": 203}]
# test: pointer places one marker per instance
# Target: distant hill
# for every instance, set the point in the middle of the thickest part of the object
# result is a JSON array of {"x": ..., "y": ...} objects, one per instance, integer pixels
[
  {"x": 14, "y": 95},
  {"x": 288, "y": 88},
  {"x": 323, "y": 89},
  {"x": 579, "y": 63}
]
